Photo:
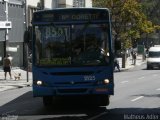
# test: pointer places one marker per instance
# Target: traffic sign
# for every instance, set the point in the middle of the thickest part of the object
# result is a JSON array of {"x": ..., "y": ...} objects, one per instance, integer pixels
[{"x": 5, "y": 24}]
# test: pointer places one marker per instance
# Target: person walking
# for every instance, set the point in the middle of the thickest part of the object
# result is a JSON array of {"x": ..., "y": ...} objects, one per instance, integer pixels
[
  {"x": 132, "y": 54},
  {"x": 7, "y": 66},
  {"x": 134, "y": 58},
  {"x": 116, "y": 64}
]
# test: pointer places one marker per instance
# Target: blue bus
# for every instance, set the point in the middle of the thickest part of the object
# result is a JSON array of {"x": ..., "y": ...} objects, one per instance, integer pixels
[{"x": 72, "y": 54}]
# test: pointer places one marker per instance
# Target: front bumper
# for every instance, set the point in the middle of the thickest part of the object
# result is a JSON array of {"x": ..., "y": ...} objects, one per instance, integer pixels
[
  {"x": 153, "y": 64},
  {"x": 40, "y": 91}
]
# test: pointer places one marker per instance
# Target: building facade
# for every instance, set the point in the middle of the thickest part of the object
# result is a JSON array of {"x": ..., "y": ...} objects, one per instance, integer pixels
[
  {"x": 11, "y": 37},
  {"x": 71, "y": 3},
  {"x": 32, "y": 6}
]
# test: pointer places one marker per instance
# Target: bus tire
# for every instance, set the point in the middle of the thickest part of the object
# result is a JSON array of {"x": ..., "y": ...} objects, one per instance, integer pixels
[
  {"x": 47, "y": 101},
  {"x": 102, "y": 100},
  {"x": 148, "y": 67}
]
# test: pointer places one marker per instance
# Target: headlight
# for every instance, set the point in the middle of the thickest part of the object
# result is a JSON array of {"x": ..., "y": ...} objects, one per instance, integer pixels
[
  {"x": 106, "y": 81},
  {"x": 39, "y": 82}
]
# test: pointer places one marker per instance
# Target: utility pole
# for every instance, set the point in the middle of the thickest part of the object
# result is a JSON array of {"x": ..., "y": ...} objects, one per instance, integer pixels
[
  {"x": 26, "y": 44},
  {"x": 6, "y": 30}
]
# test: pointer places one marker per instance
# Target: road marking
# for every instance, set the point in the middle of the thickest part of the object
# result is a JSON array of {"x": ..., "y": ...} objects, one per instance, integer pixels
[
  {"x": 140, "y": 97},
  {"x": 155, "y": 75},
  {"x": 124, "y": 82},
  {"x": 141, "y": 78},
  {"x": 46, "y": 117},
  {"x": 158, "y": 89},
  {"x": 97, "y": 116}
]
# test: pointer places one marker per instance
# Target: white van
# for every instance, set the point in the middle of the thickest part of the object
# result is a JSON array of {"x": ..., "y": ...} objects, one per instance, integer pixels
[{"x": 153, "y": 60}]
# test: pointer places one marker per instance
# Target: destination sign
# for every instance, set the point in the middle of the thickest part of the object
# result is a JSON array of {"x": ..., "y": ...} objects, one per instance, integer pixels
[
  {"x": 77, "y": 15},
  {"x": 80, "y": 17}
]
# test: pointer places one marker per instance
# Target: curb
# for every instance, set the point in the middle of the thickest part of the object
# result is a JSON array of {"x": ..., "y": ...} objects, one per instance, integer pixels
[
  {"x": 129, "y": 67},
  {"x": 11, "y": 86}
]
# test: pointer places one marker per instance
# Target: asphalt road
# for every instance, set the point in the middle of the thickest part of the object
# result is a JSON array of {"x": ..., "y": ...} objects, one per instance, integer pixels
[{"x": 137, "y": 96}]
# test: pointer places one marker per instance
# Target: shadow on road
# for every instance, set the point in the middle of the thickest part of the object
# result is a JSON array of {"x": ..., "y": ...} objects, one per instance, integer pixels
[
  {"x": 28, "y": 108},
  {"x": 132, "y": 114}
]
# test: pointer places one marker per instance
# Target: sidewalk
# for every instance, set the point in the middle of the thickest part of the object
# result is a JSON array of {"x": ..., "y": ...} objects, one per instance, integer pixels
[
  {"x": 129, "y": 63},
  {"x": 12, "y": 83}
]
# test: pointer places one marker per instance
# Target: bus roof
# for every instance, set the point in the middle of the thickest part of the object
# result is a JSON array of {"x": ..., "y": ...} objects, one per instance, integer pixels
[{"x": 79, "y": 8}]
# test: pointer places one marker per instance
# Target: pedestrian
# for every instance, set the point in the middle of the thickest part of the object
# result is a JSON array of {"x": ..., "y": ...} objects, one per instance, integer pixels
[
  {"x": 134, "y": 58},
  {"x": 116, "y": 64},
  {"x": 132, "y": 52},
  {"x": 7, "y": 66}
]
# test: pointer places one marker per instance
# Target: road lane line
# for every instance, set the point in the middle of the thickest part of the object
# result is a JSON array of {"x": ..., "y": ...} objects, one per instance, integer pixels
[
  {"x": 124, "y": 82},
  {"x": 140, "y": 97},
  {"x": 98, "y": 116},
  {"x": 155, "y": 75},
  {"x": 141, "y": 78}
]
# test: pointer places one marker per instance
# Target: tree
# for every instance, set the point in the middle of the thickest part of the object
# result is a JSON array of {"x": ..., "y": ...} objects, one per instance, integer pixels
[
  {"x": 151, "y": 9},
  {"x": 128, "y": 20}
]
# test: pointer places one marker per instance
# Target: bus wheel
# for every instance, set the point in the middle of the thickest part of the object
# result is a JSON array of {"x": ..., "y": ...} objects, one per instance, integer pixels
[
  {"x": 148, "y": 67},
  {"x": 102, "y": 100},
  {"x": 47, "y": 101}
]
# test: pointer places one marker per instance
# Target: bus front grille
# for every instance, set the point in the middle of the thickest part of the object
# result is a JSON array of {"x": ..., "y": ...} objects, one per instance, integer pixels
[{"x": 72, "y": 83}]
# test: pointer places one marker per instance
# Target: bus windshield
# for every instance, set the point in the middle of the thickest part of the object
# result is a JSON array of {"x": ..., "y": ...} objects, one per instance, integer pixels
[{"x": 70, "y": 45}]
